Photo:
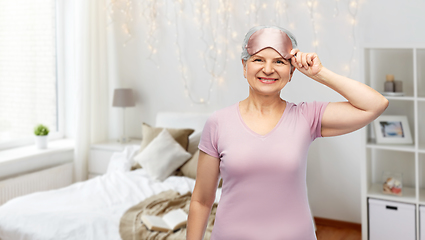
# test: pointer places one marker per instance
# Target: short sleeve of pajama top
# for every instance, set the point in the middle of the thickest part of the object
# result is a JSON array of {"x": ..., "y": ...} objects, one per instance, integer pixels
[{"x": 264, "y": 193}]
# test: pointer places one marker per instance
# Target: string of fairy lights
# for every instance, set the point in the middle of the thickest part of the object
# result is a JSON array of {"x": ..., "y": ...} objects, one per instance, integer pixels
[
  {"x": 281, "y": 8},
  {"x": 311, "y": 10},
  {"x": 213, "y": 19},
  {"x": 150, "y": 14},
  {"x": 125, "y": 8},
  {"x": 336, "y": 9},
  {"x": 352, "y": 10}
]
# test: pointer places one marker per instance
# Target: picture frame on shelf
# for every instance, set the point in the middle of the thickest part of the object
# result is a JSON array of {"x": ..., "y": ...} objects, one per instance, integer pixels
[{"x": 392, "y": 130}]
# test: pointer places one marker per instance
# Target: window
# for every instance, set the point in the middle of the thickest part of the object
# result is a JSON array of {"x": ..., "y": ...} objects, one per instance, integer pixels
[{"x": 28, "y": 73}]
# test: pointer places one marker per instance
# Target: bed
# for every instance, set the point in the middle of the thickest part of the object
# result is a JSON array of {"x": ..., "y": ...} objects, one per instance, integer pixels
[{"x": 94, "y": 209}]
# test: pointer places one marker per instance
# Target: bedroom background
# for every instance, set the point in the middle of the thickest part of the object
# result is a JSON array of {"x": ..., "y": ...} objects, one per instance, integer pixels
[{"x": 184, "y": 56}]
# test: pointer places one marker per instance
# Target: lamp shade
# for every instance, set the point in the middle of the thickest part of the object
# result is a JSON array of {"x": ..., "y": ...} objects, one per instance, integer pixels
[{"x": 123, "y": 97}]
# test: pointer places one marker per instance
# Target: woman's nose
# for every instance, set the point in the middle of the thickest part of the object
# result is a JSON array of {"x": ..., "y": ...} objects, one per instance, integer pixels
[{"x": 268, "y": 68}]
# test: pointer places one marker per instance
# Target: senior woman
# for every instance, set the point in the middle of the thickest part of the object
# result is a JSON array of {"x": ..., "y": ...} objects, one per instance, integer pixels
[{"x": 259, "y": 145}]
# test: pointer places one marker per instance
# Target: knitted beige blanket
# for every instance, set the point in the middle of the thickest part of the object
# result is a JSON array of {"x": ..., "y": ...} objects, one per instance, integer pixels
[{"x": 131, "y": 227}]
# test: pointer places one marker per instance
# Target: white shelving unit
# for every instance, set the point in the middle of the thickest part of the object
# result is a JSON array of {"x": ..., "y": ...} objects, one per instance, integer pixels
[{"x": 406, "y": 63}]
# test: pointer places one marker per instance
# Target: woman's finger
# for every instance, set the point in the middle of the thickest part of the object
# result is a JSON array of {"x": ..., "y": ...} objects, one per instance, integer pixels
[
  {"x": 304, "y": 60},
  {"x": 310, "y": 59},
  {"x": 298, "y": 58},
  {"x": 294, "y": 61},
  {"x": 294, "y": 51}
]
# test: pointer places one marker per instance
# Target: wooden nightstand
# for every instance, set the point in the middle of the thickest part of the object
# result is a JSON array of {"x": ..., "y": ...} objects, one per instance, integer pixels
[{"x": 100, "y": 155}]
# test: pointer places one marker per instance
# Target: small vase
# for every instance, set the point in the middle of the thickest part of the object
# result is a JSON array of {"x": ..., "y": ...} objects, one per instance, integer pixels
[{"x": 41, "y": 142}]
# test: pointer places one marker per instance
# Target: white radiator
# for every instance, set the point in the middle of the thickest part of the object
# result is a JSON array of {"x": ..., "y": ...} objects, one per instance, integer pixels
[{"x": 47, "y": 179}]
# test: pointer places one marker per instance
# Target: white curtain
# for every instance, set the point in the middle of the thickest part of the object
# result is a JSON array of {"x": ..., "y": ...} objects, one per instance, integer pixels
[{"x": 91, "y": 76}]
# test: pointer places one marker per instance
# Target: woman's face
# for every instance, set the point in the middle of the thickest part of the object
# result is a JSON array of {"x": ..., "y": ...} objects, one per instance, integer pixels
[{"x": 267, "y": 72}]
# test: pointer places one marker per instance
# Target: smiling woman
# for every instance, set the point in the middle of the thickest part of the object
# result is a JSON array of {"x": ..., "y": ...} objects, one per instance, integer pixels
[
  {"x": 267, "y": 72},
  {"x": 259, "y": 145}
]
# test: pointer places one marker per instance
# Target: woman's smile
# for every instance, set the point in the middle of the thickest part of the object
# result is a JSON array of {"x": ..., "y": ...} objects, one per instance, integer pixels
[{"x": 267, "y": 80}]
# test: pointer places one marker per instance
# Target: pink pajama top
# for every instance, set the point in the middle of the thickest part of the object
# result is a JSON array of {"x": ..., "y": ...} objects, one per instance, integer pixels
[{"x": 264, "y": 194}]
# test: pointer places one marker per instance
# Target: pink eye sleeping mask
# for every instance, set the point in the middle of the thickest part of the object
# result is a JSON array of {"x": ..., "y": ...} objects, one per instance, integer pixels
[{"x": 270, "y": 37}]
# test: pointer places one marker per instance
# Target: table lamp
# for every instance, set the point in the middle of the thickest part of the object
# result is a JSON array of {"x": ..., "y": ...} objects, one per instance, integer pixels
[{"x": 123, "y": 97}]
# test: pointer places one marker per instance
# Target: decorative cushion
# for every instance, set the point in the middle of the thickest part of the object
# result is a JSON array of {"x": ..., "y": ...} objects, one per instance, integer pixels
[
  {"x": 162, "y": 156},
  {"x": 189, "y": 168},
  {"x": 194, "y": 142},
  {"x": 181, "y": 135}
]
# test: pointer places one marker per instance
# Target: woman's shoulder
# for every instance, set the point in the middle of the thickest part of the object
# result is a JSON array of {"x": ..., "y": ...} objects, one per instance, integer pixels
[
  {"x": 223, "y": 114},
  {"x": 308, "y": 109},
  {"x": 226, "y": 110},
  {"x": 303, "y": 105}
]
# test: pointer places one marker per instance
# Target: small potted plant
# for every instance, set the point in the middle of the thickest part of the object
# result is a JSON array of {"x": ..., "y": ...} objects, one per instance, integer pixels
[{"x": 41, "y": 133}]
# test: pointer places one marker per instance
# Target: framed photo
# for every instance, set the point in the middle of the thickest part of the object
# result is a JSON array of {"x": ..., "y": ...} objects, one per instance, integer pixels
[{"x": 392, "y": 129}]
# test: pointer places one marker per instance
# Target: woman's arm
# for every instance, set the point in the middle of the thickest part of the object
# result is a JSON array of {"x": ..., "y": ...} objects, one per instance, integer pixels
[
  {"x": 203, "y": 196},
  {"x": 364, "y": 103}
]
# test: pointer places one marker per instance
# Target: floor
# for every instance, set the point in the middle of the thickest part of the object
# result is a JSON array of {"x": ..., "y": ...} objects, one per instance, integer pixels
[{"x": 334, "y": 233}]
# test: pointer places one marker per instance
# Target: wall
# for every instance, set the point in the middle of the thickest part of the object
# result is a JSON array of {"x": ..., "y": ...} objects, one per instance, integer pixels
[{"x": 157, "y": 78}]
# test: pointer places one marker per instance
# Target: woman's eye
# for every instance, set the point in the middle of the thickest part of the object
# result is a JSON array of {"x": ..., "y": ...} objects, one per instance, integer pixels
[
  {"x": 280, "y": 62},
  {"x": 257, "y": 60}
]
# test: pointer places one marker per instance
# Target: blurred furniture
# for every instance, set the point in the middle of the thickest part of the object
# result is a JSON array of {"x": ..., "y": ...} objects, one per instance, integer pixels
[
  {"x": 43, "y": 215},
  {"x": 25, "y": 170},
  {"x": 100, "y": 155},
  {"x": 391, "y": 220},
  {"x": 407, "y": 64},
  {"x": 123, "y": 97}
]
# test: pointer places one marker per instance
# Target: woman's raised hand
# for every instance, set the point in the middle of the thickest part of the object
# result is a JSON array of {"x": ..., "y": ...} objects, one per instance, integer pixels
[{"x": 307, "y": 63}]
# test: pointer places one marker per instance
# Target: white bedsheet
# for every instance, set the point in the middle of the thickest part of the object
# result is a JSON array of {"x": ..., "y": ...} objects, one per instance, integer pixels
[{"x": 85, "y": 210}]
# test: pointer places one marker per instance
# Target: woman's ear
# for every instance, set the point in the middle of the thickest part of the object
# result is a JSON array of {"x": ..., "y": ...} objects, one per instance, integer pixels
[{"x": 244, "y": 68}]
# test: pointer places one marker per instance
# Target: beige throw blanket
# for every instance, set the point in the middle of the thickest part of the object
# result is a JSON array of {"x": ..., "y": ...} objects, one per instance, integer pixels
[{"x": 131, "y": 227}]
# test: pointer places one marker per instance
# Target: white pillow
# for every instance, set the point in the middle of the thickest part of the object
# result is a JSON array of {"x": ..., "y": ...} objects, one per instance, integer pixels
[
  {"x": 122, "y": 161},
  {"x": 162, "y": 156},
  {"x": 194, "y": 139}
]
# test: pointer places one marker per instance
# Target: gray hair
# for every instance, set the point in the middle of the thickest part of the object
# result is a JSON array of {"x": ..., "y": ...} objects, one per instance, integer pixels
[{"x": 245, "y": 55}]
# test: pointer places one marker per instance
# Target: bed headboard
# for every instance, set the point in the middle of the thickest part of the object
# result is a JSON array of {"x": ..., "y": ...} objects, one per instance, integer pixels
[{"x": 182, "y": 120}]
